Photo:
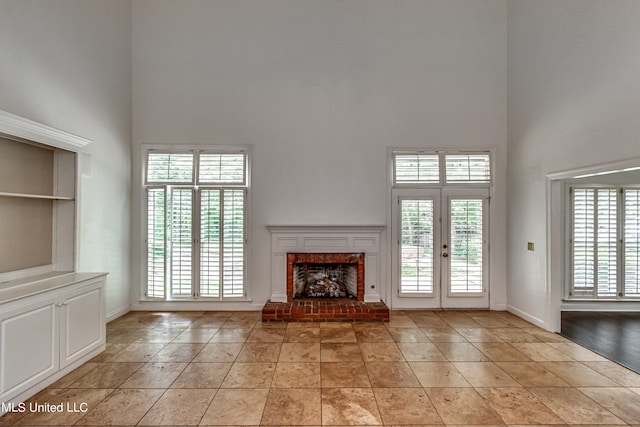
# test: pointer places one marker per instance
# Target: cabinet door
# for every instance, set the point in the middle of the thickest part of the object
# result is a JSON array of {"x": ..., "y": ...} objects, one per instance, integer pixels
[
  {"x": 28, "y": 347},
  {"x": 82, "y": 323}
]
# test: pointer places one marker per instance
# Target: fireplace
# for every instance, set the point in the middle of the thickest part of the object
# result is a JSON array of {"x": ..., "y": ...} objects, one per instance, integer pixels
[
  {"x": 333, "y": 252},
  {"x": 325, "y": 275}
]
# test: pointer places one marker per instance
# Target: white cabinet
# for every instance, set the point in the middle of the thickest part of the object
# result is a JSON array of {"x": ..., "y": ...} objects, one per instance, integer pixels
[
  {"x": 47, "y": 328},
  {"x": 82, "y": 323},
  {"x": 28, "y": 347}
]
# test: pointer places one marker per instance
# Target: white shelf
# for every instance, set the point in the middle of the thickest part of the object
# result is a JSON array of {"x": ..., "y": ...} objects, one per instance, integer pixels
[{"x": 34, "y": 196}]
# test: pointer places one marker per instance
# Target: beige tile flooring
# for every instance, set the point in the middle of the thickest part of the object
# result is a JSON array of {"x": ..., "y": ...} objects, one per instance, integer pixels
[{"x": 422, "y": 368}]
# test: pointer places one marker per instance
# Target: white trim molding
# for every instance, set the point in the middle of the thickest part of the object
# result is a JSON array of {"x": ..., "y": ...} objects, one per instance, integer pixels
[
  {"x": 18, "y": 127},
  {"x": 326, "y": 239}
]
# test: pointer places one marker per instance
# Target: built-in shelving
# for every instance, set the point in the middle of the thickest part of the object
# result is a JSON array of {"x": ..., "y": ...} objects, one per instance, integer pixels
[
  {"x": 38, "y": 208},
  {"x": 34, "y": 196}
]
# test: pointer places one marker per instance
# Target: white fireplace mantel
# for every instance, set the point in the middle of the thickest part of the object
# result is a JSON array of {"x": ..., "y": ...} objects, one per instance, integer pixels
[{"x": 326, "y": 239}]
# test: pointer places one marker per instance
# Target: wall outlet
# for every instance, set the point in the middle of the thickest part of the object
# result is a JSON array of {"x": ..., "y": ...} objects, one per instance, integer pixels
[{"x": 530, "y": 246}]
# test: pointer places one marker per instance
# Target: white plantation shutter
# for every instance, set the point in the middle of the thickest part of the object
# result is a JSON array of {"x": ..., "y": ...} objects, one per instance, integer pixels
[
  {"x": 594, "y": 242},
  {"x": 181, "y": 238},
  {"x": 468, "y": 168},
  {"x": 210, "y": 223},
  {"x": 222, "y": 169},
  {"x": 631, "y": 241},
  {"x": 233, "y": 243},
  {"x": 417, "y": 240},
  {"x": 156, "y": 242},
  {"x": 416, "y": 168},
  {"x": 583, "y": 242},
  {"x": 195, "y": 227},
  {"x": 169, "y": 168},
  {"x": 607, "y": 242},
  {"x": 441, "y": 168},
  {"x": 467, "y": 243}
]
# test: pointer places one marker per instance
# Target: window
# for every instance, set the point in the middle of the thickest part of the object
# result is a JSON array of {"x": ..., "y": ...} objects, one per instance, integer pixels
[
  {"x": 196, "y": 219},
  {"x": 417, "y": 168},
  {"x": 604, "y": 243},
  {"x": 437, "y": 168},
  {"x": 467, "y": 168}
]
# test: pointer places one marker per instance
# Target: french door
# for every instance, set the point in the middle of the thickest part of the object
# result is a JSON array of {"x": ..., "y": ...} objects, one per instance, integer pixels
[{"x": 440, "y": 250}]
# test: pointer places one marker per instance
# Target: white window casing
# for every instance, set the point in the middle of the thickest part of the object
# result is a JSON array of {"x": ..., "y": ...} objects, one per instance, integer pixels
[{"x": 195, "y": 223}]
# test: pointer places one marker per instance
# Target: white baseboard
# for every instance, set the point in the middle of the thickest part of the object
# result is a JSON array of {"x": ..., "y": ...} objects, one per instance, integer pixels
[
  {"x": 526, "y": 316},
  {"x": 121, "y": 311},
  {"x": 196, "y": 306}
]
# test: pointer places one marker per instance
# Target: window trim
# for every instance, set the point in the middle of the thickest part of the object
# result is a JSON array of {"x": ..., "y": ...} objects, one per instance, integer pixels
[
  {"x": 246, "y": 150},
  {"x": 442, "y": 180}
]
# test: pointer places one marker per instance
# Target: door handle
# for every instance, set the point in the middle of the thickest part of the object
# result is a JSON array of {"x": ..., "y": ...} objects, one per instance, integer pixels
[{"x": 445, "y": 255}]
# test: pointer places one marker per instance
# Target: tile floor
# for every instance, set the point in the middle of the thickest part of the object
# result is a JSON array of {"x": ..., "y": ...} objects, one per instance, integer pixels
[{"x": 421, "y": 368}]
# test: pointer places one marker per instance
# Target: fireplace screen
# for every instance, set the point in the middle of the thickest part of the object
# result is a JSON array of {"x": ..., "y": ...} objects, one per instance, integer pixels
[{"x": 325, "y": 280}]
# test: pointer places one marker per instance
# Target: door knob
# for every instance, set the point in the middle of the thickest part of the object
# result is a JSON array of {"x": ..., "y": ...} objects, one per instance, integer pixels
[{"x": 445, "y": 254}]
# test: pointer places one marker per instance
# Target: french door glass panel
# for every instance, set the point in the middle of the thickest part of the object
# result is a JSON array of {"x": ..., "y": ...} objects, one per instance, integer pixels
[
  {"x": 467, "y": 246},
  {"x": 417, "y": 246}
]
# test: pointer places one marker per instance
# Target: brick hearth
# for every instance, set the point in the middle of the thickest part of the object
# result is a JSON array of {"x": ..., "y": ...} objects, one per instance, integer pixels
[{"x": 324, "y": 310}]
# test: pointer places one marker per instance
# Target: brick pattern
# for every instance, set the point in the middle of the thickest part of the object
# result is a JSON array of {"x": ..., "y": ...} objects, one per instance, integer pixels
[
  {"x": 324, "y": 310},
  {"x": 325, "y": 258}
]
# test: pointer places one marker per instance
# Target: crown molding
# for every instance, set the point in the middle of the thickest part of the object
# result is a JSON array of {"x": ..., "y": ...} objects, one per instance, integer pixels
[{"x": 19, "y": 127}]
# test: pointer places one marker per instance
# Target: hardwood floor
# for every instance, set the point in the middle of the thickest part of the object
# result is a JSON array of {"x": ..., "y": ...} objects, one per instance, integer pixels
[{"x": 615, "y": 335}]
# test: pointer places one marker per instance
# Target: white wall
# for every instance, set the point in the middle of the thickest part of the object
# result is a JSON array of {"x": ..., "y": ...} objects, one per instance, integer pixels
[
  {"x": 67, "y": 64},
  {"x": 574, "y": 101},
  {"x": 321, "y": 89}
]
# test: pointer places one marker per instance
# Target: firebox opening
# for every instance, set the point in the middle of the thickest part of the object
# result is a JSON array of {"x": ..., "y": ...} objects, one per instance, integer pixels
[{"x": 312, "y": 280}]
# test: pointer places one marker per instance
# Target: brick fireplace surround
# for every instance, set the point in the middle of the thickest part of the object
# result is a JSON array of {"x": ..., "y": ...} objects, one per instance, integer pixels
[{"x": 325, "y": 244}]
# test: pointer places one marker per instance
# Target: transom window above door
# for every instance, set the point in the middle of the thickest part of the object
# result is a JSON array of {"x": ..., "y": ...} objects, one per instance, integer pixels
[{"x": 412, "y": 168}]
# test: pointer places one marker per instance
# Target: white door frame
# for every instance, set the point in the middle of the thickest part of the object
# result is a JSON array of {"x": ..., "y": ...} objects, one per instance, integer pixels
[{"x": 441, "y": 296}]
